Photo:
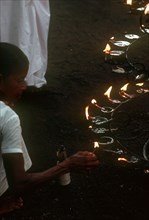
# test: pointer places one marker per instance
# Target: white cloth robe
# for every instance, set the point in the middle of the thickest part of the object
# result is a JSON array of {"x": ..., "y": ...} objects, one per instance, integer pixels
[{"x": 25, "y": 23}]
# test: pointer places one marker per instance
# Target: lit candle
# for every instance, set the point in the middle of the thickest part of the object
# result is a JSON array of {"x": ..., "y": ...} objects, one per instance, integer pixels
[
  {"x": 109, "y": 54},
  {"x": 96, "y": 145},
  {"x": 107, "y": 93},
  {"x": 129, "y": 2}
]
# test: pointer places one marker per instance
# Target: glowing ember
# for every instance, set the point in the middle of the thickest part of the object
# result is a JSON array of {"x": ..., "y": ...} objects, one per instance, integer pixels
[
  {"x": 107, "y": 49},
  {"x": 129, "y": 2},
  {"x": 146, "y": 9}
]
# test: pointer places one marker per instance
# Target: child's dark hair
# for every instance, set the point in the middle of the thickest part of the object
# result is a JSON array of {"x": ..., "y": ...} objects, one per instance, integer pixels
[{"x": 12, "y": 59}]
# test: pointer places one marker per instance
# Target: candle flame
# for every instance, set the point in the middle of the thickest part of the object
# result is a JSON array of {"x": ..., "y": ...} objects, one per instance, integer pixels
[
  {"x": 124, "y": 88},
  {"x": 146, "y": 9},
  {"x": 96, "y": 145},
  {"x": 129, "y": 2},
  {"x": 94, "y": 101},
  {"x": 107, "y": 93},
  {"x": 139, "y": 84},
  {"x": 112, "y": 38},
  {"x": 122, "y": 159},
  {"x": 107, "y": 49},
  {"x": 86, "y": 112}
]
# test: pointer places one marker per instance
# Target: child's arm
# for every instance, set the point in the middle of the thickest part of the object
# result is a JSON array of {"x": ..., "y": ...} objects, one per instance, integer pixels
[{"x": 21, "y": 181}]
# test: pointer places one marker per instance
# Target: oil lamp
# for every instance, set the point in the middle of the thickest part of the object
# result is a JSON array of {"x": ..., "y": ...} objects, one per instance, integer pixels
[{"x": 144, "y": 20}]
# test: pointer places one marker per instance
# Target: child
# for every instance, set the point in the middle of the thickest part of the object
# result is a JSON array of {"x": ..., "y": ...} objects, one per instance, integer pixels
[{"x": 14, "y": 158}]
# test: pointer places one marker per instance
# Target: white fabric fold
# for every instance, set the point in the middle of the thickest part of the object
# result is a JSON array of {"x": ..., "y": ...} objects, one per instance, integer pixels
[{"x": 25, "y": 24}]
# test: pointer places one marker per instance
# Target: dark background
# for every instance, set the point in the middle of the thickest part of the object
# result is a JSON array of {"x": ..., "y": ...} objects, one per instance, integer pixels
[{"x": 54, "y": 115}]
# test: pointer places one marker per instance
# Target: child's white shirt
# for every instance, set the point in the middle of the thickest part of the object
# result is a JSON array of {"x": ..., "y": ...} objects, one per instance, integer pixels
[{"x": 11, "y": 141}]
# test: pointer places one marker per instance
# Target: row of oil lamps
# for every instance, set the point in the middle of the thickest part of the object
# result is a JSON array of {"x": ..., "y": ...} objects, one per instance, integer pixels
[
  {"x": 139, "y": 6},
  {"x": 119, "y": 55},
  {"x": 97, "y": 123}
]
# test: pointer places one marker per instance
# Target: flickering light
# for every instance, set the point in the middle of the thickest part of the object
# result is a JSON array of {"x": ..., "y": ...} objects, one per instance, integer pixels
[
  {"x": 96, "y": 145},
  {"x": 146, "y": 11},
  {"x": 87, "y": 113},
  {"x": 124, "y": 88},
  {"x": 107, "y": 49},
  {"x": 107, "y": 94},
  {"x": 129, "y": 2}
]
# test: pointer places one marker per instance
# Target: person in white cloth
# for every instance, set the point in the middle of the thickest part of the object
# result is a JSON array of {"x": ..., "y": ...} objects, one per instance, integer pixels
[
  {"x": 14, "y": 158},
  {"x": 25, "y": 23}
]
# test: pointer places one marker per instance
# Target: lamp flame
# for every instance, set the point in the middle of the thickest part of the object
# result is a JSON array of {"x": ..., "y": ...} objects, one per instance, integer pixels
[
  {"x": 86, "y": 112},
  {"x": 107, "y": 49},
  {"x": 146, "y": 9},
  {"x": 139, "y": 84},
  {"x": 94, "y": 101},
  {"x": 96, "y": 145},
  {"x": 122, "y": 159},
  {"x": 112, "y": 38},
  {"x": 107, "y": 93},
  {"x": 129, "y": 2},
  {"x": 124, "y": 88}
]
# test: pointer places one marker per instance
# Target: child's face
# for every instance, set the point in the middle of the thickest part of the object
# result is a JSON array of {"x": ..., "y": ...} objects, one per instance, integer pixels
[{"x": 13, "y": 86}]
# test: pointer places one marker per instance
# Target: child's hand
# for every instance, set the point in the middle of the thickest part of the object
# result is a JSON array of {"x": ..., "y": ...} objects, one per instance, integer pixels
[{"x": 81, "y": 160}]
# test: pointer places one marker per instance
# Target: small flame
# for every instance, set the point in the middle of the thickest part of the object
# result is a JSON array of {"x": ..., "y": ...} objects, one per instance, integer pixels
[
  {"x": 122, "y": 159},
  {"x": 107, "y": 93},
  {"x": 112, "y": 38},
  {"x": 94, "y": 101},
  {"x": 129, "y": 2},
  {"x": 107, "y": 49},
  {"x": 96, "y": 145},
  {"x": 139, "y": 84},
  {"x": 124, "y": 88},
  {"x": 86, "y": 112},
  {"x": 146, "y": 9}
]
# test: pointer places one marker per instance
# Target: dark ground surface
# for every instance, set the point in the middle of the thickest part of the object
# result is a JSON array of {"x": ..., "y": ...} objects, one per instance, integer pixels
[{"x": 54, "y": 115}]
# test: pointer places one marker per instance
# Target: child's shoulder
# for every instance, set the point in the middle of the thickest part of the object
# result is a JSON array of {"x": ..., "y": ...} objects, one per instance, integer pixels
[{"x": 6, "y": 112}]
